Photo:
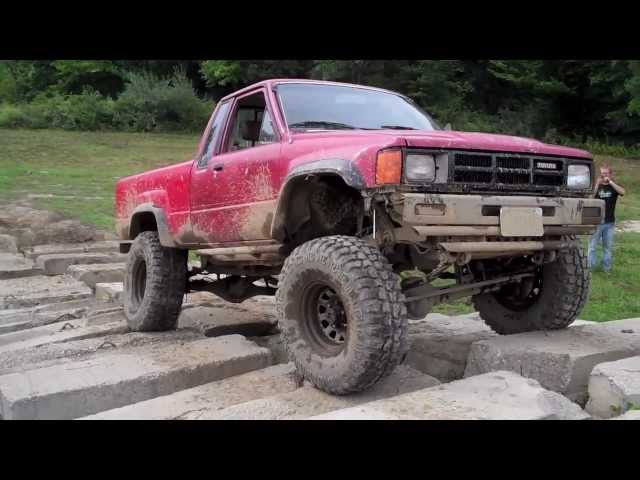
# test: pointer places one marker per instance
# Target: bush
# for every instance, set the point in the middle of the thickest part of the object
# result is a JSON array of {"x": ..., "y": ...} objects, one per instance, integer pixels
[
  {"x": 151, "y": 103},
  {"x": 12, "y": 116},
  {"x": 86, "y": 111}
]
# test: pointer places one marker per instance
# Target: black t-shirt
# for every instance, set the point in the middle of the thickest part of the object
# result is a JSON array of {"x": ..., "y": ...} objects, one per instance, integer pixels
[{"x": 610, "y": 197}]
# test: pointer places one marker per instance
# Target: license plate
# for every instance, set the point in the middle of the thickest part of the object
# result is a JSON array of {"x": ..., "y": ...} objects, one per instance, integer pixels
[{"x": 521, "y": 222}]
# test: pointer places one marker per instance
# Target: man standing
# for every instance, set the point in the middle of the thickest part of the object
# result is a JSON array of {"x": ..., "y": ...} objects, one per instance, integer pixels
[{"x": 608, "y": 190}]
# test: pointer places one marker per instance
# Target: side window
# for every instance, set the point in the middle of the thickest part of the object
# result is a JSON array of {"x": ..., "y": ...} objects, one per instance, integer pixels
[
  {"x": 214, "y": 134},
  {"x": 251, "y": 125},
  {"x": 267, "y": 135}
]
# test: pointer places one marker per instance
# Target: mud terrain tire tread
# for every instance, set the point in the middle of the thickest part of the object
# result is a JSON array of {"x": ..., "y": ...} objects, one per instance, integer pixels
[
  {"x": 370, "y": 291},
  {"x": 566, "y": 284},
  {"x": 165, "y": 285}
]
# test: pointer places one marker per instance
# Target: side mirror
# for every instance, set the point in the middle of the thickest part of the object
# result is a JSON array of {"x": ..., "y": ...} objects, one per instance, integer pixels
[{"x": 447, "y": 126}]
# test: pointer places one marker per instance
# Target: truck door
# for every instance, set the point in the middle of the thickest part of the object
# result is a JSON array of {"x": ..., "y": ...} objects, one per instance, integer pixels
[{"x": 234, "y": 195}]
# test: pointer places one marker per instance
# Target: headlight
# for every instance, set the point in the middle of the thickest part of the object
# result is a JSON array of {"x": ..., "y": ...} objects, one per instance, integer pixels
[
  {"x": 419, "y": 168},
  {"x": 579, "y": 177}
]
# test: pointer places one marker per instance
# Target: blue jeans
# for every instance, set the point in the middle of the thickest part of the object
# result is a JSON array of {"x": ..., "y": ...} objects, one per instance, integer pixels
[{"x": 603, "y": 234}]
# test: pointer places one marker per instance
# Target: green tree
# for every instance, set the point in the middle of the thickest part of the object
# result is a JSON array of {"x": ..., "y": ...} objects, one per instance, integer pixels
[{"x": 74, "y": 76}]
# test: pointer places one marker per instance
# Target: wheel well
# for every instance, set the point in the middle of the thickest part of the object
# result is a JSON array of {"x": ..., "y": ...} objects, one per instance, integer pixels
[
  {"x": 317, "y": 205},
  {"x": 142, "y": 222}
]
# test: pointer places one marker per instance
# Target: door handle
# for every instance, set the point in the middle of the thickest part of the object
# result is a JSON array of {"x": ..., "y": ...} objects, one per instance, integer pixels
[{"x": 218, "y": 167}]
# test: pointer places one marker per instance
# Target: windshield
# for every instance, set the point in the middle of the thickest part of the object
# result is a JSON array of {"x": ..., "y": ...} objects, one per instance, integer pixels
[{"x": 335, "y": 107}]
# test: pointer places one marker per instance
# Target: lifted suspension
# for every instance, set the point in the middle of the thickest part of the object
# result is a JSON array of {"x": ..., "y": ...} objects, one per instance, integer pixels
[{"x": 422, "y": 298}]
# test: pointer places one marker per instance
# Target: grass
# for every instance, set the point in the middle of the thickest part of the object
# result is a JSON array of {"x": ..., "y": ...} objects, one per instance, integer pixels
[
  {"x": 82, "y": 164},
  {"x": 88, "y": 164},
  {"x": 617, "y": 295}
]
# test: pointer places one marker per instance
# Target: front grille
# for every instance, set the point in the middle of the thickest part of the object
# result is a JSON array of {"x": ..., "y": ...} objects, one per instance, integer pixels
[
  {"x": 470, "y": 176},
  {"x": 496, "y": 171},
  {"x": 472, "y": 160}
]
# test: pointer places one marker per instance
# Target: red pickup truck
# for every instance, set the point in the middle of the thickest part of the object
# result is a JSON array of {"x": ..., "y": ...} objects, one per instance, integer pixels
[{"x": 357, "y": 211}]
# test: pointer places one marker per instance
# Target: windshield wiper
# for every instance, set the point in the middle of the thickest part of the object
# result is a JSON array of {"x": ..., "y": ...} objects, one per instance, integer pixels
[
  {"x": 396, "y": 127},
  {"x": 322, "y": 123}
]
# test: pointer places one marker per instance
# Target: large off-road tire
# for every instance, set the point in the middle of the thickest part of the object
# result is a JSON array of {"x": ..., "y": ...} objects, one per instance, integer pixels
[
  {"x": 154, "y": 284},
  {"x": 341, "y": 313},
  {"x": 562, "y": 290}
]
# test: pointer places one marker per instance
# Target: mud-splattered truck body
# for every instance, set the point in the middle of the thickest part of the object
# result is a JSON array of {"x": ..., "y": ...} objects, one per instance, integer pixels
[{"x": 293, "y": 174}]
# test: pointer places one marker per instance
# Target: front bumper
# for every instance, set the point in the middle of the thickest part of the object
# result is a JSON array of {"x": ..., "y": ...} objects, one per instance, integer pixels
[
  {"x": 473, "y": 215},
  {"x": 470, "y": 224}
]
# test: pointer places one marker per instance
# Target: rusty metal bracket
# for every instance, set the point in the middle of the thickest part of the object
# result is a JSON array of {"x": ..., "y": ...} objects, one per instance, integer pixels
[
  {"x": 234, "y": 288},
  {"x": 443, "y": 294}
]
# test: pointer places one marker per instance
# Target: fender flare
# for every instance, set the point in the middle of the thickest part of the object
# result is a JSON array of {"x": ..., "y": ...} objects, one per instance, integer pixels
[
  {"x": 345, "y": 169},
  {"x": 166, "y": 239}
]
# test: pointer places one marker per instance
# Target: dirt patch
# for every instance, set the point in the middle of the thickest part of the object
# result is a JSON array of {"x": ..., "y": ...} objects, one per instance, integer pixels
[
  {"x": 28, "y": 226},
  {"x": 632, "y": 226}
]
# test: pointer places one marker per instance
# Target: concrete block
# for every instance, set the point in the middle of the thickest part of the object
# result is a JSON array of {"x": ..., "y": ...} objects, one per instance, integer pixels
[
  {"x": 614, "y": 388},
  {"x": 113, "y": 339},
  {"x": 14, "y": 265},
  {"x": 497, "y": 395},
  {"x": 275, "y": 344},
  {"x": 56, "y": 333},
  {"x": 39, "y": 290},
  {"x": 226, "y": 320},
  {"x": 109, "y": 292},
  {"x": 110, "y": 381},
  {"x": 578, "y": 323},
  {"x": 57, "y": 248},
  {"x": 8, "y": 244},
  {"x": 308, "y": 401},
  {"x": 91, "y": 274},
  {"x": 362, "y": 412},
  {"x": 630, "y": 415},
  {"x": 57, "y": 264},
  {"x": 107, "y": 315},
  {"x": 439, "y": 345},
  {"x": 193, "y": 403},
  {"x": 561, "y": 360},
  {"x": 13, "y": 327},
  {"x": 30, "y": 317}
]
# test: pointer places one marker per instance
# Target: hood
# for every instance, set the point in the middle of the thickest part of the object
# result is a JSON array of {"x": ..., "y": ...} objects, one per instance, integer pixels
[
  {"x": 489, "y": 142},
  {"x": 458, "y": 140}
]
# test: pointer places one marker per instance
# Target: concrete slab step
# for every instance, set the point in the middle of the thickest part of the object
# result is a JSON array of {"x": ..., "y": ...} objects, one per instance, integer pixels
[
  {"x": 308, "y": 401},
  {"x": 439, "y": 344},
  {"x": 110, "y": 381},
  {"x": 106, "y": 315},
  {"x": 275, "y": 345},
  {"x": 215, "y": 321},
  {"x": 71, "y": 350},
  {"x": 14, "y": 327},
  {"x": 57, "y": 332},
  {"x": 560, "y": 360},
  {"x": 40, "y": 290},
  {"x": 209, "y": 398},
  {"x": 630, "y": 415},
  {"x": 14, "y": 265},
  {"x": 614, "y": 388},
  {"x": 8, "y": 244},
  {"x": 107, "y": 246},
  {"x": 500, "y": 395},
  {"x": 109, "y": 292},
  {"x": 94, "y": 273},
  {"x": 57, "y": 264},
  {"x": 39, "y": 319},
  {"x": 48, "y": 313}
]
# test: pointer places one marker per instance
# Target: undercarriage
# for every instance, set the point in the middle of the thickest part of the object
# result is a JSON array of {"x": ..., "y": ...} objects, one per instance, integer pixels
[{"x": 466, "y": 240}]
